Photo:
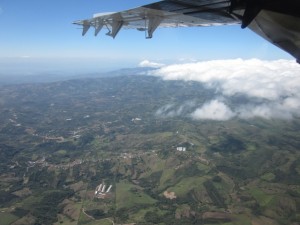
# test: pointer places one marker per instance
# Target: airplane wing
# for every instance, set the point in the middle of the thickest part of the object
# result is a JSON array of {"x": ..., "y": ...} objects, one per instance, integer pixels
[
  {"x": 162, "y": 14},
  {"x": 278, "y": 21}
]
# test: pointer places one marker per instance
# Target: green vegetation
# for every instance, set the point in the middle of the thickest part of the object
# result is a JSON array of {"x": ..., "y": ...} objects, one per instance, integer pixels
[
  {"x": 7, "y": 218},
  {"x": 262, "y": 198},
  {"x": 188, "y": 184},
  {"x": 214, "y": 195},
  {"x": 268, "y": 177},
  {"x": 129, "y": 195},
  {"x": 59, "y": 141}
]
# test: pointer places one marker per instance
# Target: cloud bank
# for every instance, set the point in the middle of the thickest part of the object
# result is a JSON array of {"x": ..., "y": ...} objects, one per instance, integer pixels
[{"x": 274, "y": 84}]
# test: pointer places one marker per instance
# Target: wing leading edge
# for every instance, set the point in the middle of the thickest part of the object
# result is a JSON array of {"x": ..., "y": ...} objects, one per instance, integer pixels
[{"x": 278, "y": 21}]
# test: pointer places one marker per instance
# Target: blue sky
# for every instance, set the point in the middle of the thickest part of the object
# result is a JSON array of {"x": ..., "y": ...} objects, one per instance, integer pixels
[{"x": 38, "y": 36}]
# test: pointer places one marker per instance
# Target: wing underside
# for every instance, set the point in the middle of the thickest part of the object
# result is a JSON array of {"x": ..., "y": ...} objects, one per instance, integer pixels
[
  {"x": 148, "y": 18},
  {"x": 275, "y": 20}
]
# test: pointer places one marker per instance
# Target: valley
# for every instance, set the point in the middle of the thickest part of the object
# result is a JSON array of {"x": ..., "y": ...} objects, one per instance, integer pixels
[{"x": 59, "y": 141}]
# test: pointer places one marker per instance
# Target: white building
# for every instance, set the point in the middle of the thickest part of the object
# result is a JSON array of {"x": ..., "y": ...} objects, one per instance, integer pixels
[{"x": 181, "y": 149}]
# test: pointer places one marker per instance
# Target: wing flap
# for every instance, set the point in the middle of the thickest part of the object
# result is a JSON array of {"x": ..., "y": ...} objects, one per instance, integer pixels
[
  {"x": 162, "y": 14},
  {"x": 275, "y": 20}
]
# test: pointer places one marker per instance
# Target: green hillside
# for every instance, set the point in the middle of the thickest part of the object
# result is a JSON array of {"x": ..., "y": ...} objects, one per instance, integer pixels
[{"x": 60, "y": 141}]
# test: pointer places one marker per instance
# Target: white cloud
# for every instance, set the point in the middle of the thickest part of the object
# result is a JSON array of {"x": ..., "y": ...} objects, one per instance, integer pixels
[
  {"x": 267, "y": 111},
  {"x": 218, "y": 110},
  {"x": 165, "y": 111},
  {"x": 214, "y": 110},
  {"x": 147, "y": 63},
  {"x": 275, "y": 83},
  {"x": 255, "y": 78},
  {"x": 172, "y": 110}
]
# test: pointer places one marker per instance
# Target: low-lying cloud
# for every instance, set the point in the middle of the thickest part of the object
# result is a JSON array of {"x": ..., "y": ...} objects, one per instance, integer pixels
[
  {"x": 172, "y": 110},
  {"x": 276, "y": 84},
  {"x": 214, "y": 110},
  {"x": 147, "y": 63},
  {"x": 218, "y": 110}
]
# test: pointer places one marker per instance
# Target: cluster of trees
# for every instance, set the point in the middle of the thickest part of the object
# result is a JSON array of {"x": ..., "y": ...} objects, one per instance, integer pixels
[
  {"x": 47, "y": 208},
  {"x": 214, "y": 194},
  {"x": 229, "y": 144},
  {"x": 152, "y": 217},
  {"x": 6, "y": 197}
]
